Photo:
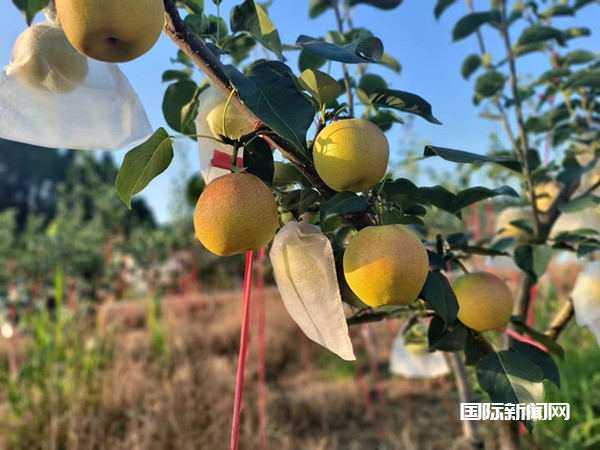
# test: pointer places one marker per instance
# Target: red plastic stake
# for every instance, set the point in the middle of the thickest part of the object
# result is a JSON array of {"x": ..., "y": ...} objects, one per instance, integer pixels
[
  {"x": 262, "y": 397},
  {"x": 243, "y": 356}
]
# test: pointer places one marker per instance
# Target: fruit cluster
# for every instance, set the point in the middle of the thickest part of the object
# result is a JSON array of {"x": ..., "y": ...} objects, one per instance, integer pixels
[{"x": 383, "y": 265}]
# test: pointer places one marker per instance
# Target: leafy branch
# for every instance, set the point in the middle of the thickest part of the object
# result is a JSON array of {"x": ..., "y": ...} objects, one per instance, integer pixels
[{"x": 207, "y": 62}]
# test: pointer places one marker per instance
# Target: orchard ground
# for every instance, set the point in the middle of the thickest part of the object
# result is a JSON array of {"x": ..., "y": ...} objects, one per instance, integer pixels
[{"x": 179, "y": 395}]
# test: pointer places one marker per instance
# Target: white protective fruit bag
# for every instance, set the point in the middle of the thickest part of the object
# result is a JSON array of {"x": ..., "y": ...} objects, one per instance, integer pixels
[
  {"x": 215, "y": 157},
  {"x": 586, "y": 298},
  {"x": 412, "y": 360},
  {"x": 52, "y": 96},
  {"x": 304, "y": 270}
]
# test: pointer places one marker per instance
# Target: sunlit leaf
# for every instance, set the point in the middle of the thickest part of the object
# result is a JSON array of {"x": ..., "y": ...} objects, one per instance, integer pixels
[
  {"x": 142, "y": 164},
  {"x": 252, "y": 18}
]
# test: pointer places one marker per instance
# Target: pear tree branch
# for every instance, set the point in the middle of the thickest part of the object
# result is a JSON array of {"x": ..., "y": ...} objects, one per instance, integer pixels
[{"x": 208, "y": 63}]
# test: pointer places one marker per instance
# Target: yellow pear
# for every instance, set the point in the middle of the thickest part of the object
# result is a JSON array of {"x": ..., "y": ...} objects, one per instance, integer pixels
[
  {"x": 505, "y": 229},
  {"x": 351, "y": 155},
  {"x": 235, "y": 213},
  {"x": 386, "y": 265},
  {"x": 485, "y": 301},
  {"x": 112, "y": 30},
  {"x": 44, "y": 59},
  {"x": 236, "y": 124}
]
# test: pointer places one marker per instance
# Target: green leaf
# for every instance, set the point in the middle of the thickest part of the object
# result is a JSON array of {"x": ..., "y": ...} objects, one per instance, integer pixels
[
  {"x": 579, "y": 203},
  {"x": 470, "y": 23},
  {"x": 533, "y": 259},
  {"x": 142, "y": 164},
  {"x": 440, "y": 197},
  {"x": 472, "y": 195},
  {"x": 318, "y": 7},
  {"x": 470, "y": 65},
  {"x": 509, "y": 377},
  {"x": 380, "y": 4},
  {"x": 478, "y": 250},
  {"x": 439, "y": 295},
  {"x": 252, "y": 18},
  {"x": 489, "y": 84},
  {"x": 370, "y": 81},
  {"x": 446, "y": 339},
  {"x": 308, "y": 60},
  {"x": 29, "y": 8},
  {"x": 391, "y": 63},
  {"x": 270, "y": 93},
  {"x": 177, "y": 96},
  {"x": 453, "y": 203},
  {"x": 176, "y": 75},
  {"x": 403, "y": 101},
  {"x": 343, "y": 203},
  {"x": 571, "y": 33},
  {"x": 385, "y": 119},
  {"x": 581, "y": 3},
  {"x": 542, "y": 338},
  {"x": 520, "y": 50},
  {"x": 459, "y": 156},
  {"x": 285, "y": 174},
  {"x": 207, "y": 27},
  {"x": 300, "y": 200},
  {"x": 540, "y": 358},
  {"x": 441, "y": 6},
  {"x": 558, "y": 10},
  {"x": 584, "y": 78},
  {"x": 538, "y": 33},
  {"x": 258, "y": 160},
  {"x": 320, "y": 85},
  {"x": 367, "y": 50},
  {"x": 579, "y": 57},
  {"x": 551, "y": 76},
  {"x": 474, "y": 352},
  {"x": 392, "y": 216},
  {"x": 400, "y": 189},
  {"x": 196, "y": 6},
  {"x": 184, "y": 59}
]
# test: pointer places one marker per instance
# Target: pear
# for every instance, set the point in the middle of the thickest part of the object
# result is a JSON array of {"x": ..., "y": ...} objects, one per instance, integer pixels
[
  {"x": 351, "y": 155},
  {"x": 235, "y": 213},
  {"x": 112, "y": 30},
  {"x": 44, "y": 60},
  {"x": 386, "y": 265},
  {"x": 485, "y": 302}
]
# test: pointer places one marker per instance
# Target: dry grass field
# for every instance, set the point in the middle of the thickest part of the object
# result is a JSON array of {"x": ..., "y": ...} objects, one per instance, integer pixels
[{"x": 180, "y": 395}]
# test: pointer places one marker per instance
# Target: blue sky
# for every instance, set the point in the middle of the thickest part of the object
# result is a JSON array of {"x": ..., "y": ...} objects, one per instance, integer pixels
[{"x": 431, "y": 68}]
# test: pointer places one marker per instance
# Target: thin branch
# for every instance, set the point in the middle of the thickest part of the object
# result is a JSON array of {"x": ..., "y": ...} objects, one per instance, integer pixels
[
  {"x": 561, "y": 320},
  {"x": 506, "y": 125},
  {"x": 478, "y": 31},
  {"x": 592, "y": 188},
  {"x": 524, "y": 148},
  {"x": 206, "y": 61},
  {"x": 340, "y": 25},
  {"x": 469, "y": 427}
]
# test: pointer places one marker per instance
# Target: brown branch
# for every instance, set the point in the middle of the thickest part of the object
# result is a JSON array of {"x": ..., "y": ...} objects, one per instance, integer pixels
[
  {"x": 469, "y": 427},
  {"x": 592, "y": 188},
  {"x": 208, "y": 63},
  {"x": 561, "y": 320}
]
